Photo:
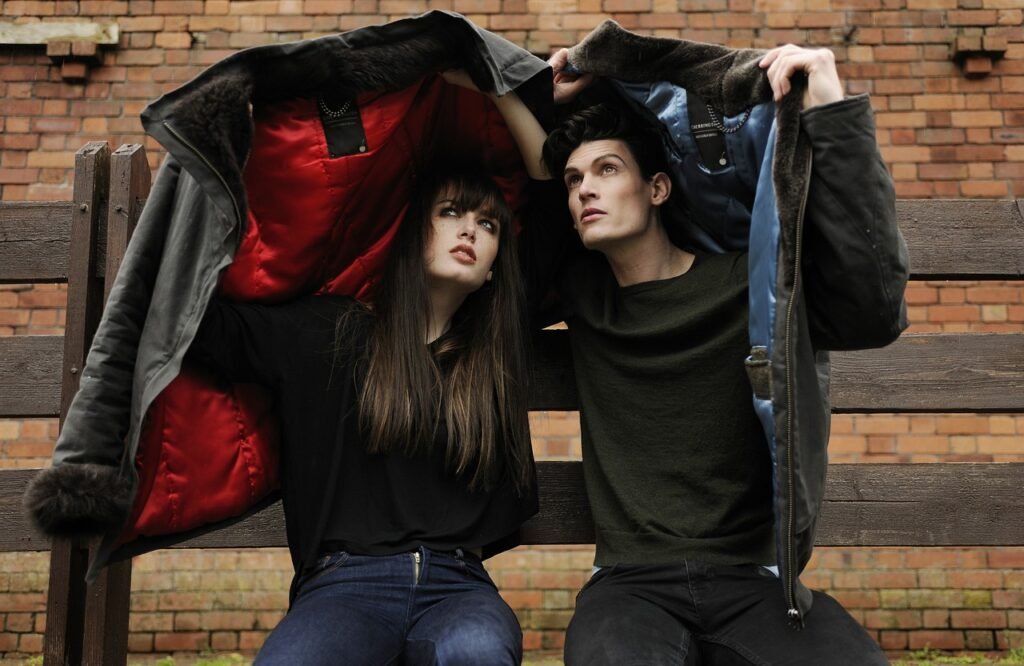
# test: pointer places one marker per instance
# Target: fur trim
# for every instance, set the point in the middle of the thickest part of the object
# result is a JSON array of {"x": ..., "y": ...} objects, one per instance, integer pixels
[
  {"x": 728, "y": 79},
  {"x": 78, "y": 500}
]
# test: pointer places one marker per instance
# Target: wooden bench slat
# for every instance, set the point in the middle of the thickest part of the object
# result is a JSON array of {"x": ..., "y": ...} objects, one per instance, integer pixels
[
  {"x": 963, "y": 239},
  {"x": 927, "y": 372},
  {"x": 34, "y": 241},
  {"x": 933, "y": 372},
  {"x": 921, "y": 504},
  {"x": 948, "y": 239},
  {"x": 30, "y": 370}
]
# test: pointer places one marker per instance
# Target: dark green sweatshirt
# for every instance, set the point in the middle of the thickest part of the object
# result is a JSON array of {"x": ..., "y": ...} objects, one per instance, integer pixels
[{"x": 675, "y": 458}]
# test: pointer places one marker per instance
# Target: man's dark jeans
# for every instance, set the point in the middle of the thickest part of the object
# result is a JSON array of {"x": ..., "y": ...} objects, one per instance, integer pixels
[
  {"x": 379, "y": 610},
  {"x": 698, "y": 613}
]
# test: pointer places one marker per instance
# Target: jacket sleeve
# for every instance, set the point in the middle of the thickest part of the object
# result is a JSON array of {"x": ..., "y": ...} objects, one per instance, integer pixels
[
  {"x": 855, "y": 263},
  {"x": 240, "y": 341},
  {"x": 85, "y": 492}
]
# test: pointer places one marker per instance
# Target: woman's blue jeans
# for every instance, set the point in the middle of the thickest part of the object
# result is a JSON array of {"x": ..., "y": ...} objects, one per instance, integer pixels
[{"x": 423, "y": 607}]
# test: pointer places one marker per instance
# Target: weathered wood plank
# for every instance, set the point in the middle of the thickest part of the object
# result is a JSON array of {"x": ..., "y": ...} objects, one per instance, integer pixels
[
  {"x": 66, "y": 597},
  {"x": 933, "y": 372},
  {"x": 130, "y": 180},
  {"x": 30, "y": 376},
  {"x": 958, "y": 239},
  {"x": 930, "y": 372},
  {"x": 924, "y": 504},
  {"x": 105, "y": 636},
  {"x": 35, "y": 241},
  {"x": 947, "y": 239},
  {"x": 85, "y": 290}
]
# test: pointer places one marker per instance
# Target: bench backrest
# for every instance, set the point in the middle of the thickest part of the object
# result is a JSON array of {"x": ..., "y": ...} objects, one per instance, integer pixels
[
  {"x": 942, "y": 504},
  {"x": 80, "y": 243}
]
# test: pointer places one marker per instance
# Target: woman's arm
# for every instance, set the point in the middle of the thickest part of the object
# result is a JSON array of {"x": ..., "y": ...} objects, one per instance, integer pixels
[{"x": 240, "y": 341}]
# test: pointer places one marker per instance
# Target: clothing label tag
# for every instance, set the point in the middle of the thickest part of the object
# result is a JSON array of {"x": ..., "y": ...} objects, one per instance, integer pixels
[
  {"x": 343, "y": 126},
  {"x": 710, "y": 139}
]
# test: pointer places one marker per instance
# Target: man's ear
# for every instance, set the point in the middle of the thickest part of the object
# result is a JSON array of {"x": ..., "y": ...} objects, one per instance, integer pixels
[{"x": 661, "y": 188}]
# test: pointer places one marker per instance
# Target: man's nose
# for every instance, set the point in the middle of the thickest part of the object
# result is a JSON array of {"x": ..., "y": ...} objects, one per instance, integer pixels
[{"x": 586, "y": 189}]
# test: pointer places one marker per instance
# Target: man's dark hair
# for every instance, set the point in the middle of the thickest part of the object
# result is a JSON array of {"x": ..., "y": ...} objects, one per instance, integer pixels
[{"x": 600, "y": 122}]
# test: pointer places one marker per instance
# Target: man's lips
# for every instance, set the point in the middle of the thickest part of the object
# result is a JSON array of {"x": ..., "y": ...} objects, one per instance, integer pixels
[
  {"x": 464, "y": 253},
  {"x": 590, "y": 215}
]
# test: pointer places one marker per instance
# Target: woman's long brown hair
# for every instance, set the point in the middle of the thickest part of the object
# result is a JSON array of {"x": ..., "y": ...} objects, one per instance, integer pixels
[{"x": 472, "y": 381}]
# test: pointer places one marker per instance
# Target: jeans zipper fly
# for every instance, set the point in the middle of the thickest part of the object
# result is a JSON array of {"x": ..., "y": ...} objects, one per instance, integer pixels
[{"x": 416, "y": 567}]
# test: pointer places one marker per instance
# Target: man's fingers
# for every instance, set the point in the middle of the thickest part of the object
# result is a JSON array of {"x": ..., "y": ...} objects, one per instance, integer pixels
[{"x": 558, "y": 60}]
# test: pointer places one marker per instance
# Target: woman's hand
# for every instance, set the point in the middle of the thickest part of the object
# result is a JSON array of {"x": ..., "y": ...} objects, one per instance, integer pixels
[
  {"x": 567, "y": 85},
  {"x": 819, "y": 65}
]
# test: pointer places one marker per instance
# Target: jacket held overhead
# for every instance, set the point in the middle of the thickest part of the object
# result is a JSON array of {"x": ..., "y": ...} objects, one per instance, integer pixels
[{"x": 288, "y": 170}]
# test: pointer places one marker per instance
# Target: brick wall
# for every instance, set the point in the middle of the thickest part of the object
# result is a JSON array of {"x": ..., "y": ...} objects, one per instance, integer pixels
[{"x": 942, "y": 134}]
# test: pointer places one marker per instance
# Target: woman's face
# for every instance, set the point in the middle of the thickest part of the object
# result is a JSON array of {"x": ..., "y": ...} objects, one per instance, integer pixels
[{"x": 462, "y": 246}]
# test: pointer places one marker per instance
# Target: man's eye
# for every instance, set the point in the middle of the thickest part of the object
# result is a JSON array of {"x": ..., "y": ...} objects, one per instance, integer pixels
[
  {"x": 572, "y": 181},
  {"x": 608, "y": 168}
]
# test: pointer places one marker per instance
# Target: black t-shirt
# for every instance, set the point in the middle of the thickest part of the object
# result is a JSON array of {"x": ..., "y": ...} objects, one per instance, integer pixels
[{"x": 332, "y": 489}]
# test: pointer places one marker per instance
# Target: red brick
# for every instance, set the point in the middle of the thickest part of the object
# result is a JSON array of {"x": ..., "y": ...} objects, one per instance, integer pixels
[
  {"x": 182, "y": 641},
  {"x": 975, "y": 579},
  {"x": 933, "y": 618},
  {"x": 978, "y": 619},
  {"x": 1007, "y": 559},
  {"x": 940, "y": 640}
]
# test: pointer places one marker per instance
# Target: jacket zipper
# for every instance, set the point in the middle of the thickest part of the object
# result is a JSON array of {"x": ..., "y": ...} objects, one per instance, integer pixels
[
  {"x": 793, "y": 614},
  {"x": 416, "y": 567},
  {"x": 224, "y": 183}
]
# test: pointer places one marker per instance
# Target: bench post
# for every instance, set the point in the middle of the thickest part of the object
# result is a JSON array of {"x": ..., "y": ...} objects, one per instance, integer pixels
[
  {"x": 105, "y": 641},
  {"x": 89, "y": 624},
  {"x": 65, "y": 602}
]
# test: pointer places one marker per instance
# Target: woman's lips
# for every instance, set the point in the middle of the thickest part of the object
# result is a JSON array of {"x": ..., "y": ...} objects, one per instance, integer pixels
[{"x": 464, "y": 254}]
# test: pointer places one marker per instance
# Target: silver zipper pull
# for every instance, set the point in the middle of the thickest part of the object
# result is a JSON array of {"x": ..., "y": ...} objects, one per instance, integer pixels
[{"x": 416, "y": 566}]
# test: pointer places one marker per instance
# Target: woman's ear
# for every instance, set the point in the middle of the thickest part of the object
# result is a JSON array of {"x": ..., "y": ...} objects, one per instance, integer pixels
[{"x": 661, "y": 188}]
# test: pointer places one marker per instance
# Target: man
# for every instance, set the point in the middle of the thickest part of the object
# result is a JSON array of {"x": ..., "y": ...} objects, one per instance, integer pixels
[{"x": 704, "y": 499}]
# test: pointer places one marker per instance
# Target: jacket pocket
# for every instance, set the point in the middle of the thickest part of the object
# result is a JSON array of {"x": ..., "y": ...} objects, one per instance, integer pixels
[{"x": 759, "y": 372}]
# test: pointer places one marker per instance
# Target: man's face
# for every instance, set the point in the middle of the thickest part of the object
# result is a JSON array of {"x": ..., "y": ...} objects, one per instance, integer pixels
[{"x": 609, "y": 198}]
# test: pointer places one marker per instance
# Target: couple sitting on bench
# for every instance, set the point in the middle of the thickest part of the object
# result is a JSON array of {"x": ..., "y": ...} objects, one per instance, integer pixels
[{"x": 705, "y": 254}]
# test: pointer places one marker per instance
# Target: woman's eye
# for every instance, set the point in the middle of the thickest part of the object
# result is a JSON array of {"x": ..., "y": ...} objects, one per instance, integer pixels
[
  {"x": 449, "y": 211},
  {"x": 489, "y": 225}
]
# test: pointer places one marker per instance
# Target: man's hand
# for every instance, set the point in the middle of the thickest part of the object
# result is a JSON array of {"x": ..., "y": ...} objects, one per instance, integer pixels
[
  {"x": 819, "y": 65},
  {"x": 567, "y": 85}
]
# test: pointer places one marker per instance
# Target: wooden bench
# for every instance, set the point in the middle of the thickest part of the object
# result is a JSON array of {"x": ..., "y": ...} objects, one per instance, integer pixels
[{"x": 943, "y": 504}]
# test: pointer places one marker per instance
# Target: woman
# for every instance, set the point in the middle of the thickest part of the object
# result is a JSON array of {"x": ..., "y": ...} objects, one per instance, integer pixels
[{"x": 405, "y": 450}]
